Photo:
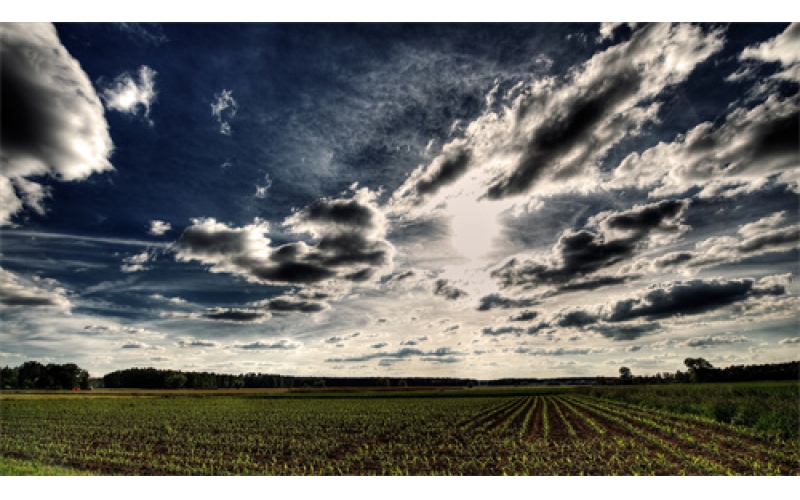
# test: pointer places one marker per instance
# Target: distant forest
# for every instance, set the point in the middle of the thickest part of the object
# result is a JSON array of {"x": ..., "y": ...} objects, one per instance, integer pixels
[{"x": 35, "y": 375}]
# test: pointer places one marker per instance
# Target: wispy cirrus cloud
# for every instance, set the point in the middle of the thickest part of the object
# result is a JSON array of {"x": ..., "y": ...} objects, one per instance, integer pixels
[{"x": 224, "y": 108}]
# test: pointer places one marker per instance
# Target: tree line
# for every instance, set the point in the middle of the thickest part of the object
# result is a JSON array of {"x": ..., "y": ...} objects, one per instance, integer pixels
[
  {"x": 152, "y": 378},
  {"x": 35, "y": 375},
  {"x": 700, "y": 370}
]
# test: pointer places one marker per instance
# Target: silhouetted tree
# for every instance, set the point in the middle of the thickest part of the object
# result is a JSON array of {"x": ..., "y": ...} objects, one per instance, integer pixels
[
  {"x": 699, "y": 368},
  {"x": 625, "y": 375}
]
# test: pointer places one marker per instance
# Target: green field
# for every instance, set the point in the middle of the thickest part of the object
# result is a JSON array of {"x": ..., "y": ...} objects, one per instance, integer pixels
[{"x": 633, "y": 430}]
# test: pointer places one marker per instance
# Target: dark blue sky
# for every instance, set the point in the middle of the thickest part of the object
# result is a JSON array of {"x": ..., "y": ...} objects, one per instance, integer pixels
[{"x": 406, "y": 199}]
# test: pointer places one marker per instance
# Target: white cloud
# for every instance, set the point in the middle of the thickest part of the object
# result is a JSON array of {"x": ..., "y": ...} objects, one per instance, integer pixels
[
  {"x": 52, "y": 120},
  {"x": 127, "y": 95},
  {"x": 790, "y": 340},
  {"x": 159, "y": 228},
  {"x": 713, "y": 340},
  {"x": 766, "y": 235},
  {"x": 783, "y": 49},
  {"x": 18, "y": 292},
  {"x": 136, "y": 262},
  {"x": 261, "y": 191},
  {"x": 348, "y": 247},
  {"x": 224, "y": 108},
  {"x": 740, "y": 155}
]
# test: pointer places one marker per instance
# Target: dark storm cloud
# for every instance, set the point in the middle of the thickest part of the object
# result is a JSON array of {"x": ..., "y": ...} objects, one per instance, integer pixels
[
  {"x": 689, "y": 298},
  {"x": 294, "y": 305},
  {"x": 594, "y": 283},
  {"x": 402, "y": 354},
  {"x": 397, "y": 277},
  {"x": 236, "y": 315},
  {"x": 767, "y": 235},
  {"x": 443, "y": 288},
  {"x": 502, "y": 330},
  {"x": 643, "y": 219},
  {"x": 349, "y": 245},
  {"x": 496, "y": 301},
  {"x": 445, "y": 170},
  {"x": 25, "y": 301},
  {"x": 298, "y": 273},
  {"x": 343, "y": 212},
  {"x": 625, "y": 332},
  {"x": 569, "y": 126},
  {"x": 524, "y": 316},
  {"x": 576, "y": 318},
  {"x": 52, "y": 120},
  {"x": 634, "y": 317},
  {"x": 610, "y": 238}
]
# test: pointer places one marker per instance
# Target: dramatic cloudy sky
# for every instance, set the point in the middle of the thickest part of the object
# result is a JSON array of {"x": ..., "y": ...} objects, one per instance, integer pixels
[{"x": 467, "y": 200}]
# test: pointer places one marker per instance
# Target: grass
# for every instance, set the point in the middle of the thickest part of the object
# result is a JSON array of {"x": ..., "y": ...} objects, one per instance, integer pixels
[
  {"x": 772, "y": 408},
  {"x": 16, "y": 467}
]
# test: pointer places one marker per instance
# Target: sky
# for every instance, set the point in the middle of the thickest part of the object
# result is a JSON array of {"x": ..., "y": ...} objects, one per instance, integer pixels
[{"x": 474, "y": 200}]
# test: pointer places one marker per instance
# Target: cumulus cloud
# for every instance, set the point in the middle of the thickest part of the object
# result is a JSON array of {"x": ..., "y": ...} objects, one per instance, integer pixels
[
  {"x": 743, "y": 153},
  {"x": 18, "y": 292},
  {"x": 402, "y": 354},
  {"x": 558, "y": 351},
  {"x": 639, "y": 315},
  {"x": 159, "y": 228},
  {"x": 136, "y": 263},
  {"x": 713, "y": 341},
  {"x": 524, "y": 316},
  {"x": 52, "y": 120},
  {"x": 280, "y": 345},
  {"x": 608, "y": 239},
  {"x": 625, "y": 332},
  {"x": 135, "y": 345},
  {"x": 782, "y": 49},
  {"x": 126, "y": 330},
  {"x": 293, "y": 304},
  {"x": 447, "y": 290},
  {"x": 224, "y": 108},
  {"x": 195, "y": 343},
  {"x": 133, "y": 95},
  {"x": 690, "y": 298},
  {"x": 237, "y": 315},
  {"x": 767, "y": 235},
  {"x": 497, "y": 301},
  {"x": 348, "y": 245},
  {"x": 556, "y": 130},
  {"x": 503, "y": 330}
]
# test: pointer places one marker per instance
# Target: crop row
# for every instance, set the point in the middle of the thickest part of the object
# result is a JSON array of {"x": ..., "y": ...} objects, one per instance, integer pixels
[{"x": 534, "y": 434}]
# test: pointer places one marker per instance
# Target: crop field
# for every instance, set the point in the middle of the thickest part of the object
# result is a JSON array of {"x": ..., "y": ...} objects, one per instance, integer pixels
[{"x": 491, "y": 433}]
